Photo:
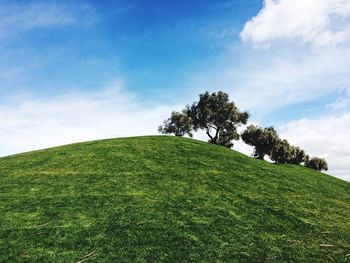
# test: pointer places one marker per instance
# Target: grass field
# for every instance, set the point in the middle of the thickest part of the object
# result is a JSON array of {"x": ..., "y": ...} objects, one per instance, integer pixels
[{"x": 167, "y": 199}]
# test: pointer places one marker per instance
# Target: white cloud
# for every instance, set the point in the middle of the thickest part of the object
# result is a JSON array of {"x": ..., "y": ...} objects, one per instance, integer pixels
[
  {"x": 321, "y": 23},
  {"x": 284, "y": 80},
  {"x": 326, "y": 137},
  {"x": 268, "y": 80},
  {"x": 28, "y": 124}
]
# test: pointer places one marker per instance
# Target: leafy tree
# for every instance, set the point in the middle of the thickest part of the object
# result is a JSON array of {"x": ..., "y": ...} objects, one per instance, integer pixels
[
  {"x": 218, "y": 116},
  {"x": 264, "y": 140},
  {"x": 267, "y": 142},
  {"x": 178, "y": 124},
  {"x": 307, "y": 158},
  {"x": 298, "y": 156},
  {"x": 281, "y": 152},
  {"x": 317, "y": 164}
]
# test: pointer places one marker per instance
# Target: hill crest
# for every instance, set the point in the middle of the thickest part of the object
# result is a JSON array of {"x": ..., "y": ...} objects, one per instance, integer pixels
[{"x": 137, "y": 199}]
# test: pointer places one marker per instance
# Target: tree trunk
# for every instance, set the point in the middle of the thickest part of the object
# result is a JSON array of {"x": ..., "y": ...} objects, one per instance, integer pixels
[
  {"x": 211, "y": 137},
  {"x": 215, "y": 138}
]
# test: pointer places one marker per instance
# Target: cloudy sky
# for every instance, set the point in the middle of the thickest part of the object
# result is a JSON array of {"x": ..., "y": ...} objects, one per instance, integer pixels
[{"x": 80, "y": 70}]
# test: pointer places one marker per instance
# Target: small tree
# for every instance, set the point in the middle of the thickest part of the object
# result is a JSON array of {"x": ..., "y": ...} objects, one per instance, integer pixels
[
  {"x": 281, "y": 153},
  {"x": 264, "y": 140},
  {"x": 317, "y": 164},
  {"x": 218, "y": 116},
  {"x": 178, "y": 124},
  {"x": 298, "y": 156}
]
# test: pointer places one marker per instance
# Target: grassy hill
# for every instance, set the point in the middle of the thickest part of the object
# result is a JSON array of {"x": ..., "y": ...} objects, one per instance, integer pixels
[{"x": 152, "y": 199}]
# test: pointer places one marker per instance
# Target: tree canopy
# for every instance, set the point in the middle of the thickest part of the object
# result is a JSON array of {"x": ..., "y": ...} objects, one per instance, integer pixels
[
  {"x": 263, "y": 140},
  {"x": 281, "y": 152},
  {"x": 214, "y": 113},
  {"x": 297, "y": 155},
  {"x": 178, "y": 124},
  {"x": 318, "y": 164},
  {"x": 218, "y": 116}
]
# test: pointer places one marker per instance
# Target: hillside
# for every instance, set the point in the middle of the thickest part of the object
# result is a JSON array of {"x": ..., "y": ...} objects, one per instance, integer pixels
[{"x": 168, "y": 199}]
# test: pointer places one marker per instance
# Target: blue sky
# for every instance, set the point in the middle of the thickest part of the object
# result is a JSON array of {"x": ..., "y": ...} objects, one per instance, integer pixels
[
  {"x": 73, "y": 71},
  {"x": 154, "y": 45}
]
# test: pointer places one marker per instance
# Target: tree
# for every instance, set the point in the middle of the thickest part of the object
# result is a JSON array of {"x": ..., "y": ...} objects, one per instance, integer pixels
[
  {"x": 298, "y": 156},
  {"x": 267, "y": 142},
  {"x": 317, "y": 164},
  {"x": 178, "y": 124},
  {"x": 263, "y": 140},
  {"x": 218, "y": 116},
  {"x": 282, "y": 152}
]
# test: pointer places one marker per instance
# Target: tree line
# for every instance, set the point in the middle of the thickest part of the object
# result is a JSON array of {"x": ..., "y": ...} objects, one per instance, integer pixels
[{"x": 220, "y": 119}]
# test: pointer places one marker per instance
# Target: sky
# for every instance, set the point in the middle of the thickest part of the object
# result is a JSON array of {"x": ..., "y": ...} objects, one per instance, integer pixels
[{"x": 73, "y": 71}]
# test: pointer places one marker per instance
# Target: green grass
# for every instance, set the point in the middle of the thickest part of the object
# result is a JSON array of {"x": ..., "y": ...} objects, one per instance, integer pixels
[{"x": 167, "y": 199}]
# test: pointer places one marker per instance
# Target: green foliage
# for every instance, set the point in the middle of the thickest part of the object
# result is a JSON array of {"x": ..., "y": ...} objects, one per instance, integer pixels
[
  {"x": 178, "y": 124},
  {"x": 267, "y": 142},
  {"x": 282, "y": 152},
  {"x": 214, "y": 113},
  {"x": 297, "y": 156},
  {"x": 317, "y": 164},
  {"x": 263, "y": 140},
  {"x": 167, "y": 199},
  {"x": 218, "y": 116}
]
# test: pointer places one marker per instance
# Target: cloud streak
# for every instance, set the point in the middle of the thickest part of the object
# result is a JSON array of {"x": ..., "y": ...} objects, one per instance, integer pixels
[
  {"x": 17, "y": 18},
  {"x": 29, "y": 123}
]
